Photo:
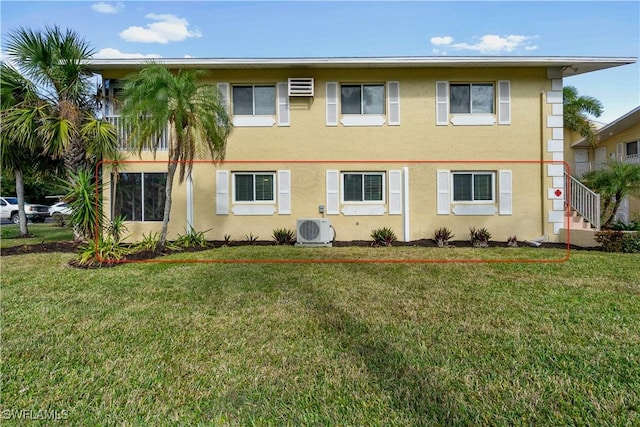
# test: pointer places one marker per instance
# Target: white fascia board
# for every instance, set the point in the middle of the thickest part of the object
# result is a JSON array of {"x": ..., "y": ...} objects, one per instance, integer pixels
[{"x": 570, "y": 66}]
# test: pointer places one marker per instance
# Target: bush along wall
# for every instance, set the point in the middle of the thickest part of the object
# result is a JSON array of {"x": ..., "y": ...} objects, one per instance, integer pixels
[{"x": 619, "y": 241}]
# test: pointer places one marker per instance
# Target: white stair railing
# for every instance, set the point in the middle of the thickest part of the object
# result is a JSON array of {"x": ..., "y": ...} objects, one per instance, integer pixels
[{"x": 584, "y": 201}]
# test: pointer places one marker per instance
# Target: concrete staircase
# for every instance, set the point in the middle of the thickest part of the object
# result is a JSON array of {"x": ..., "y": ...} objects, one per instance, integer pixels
[
  {"x": 578, "y": 231},
  {"x": 574, "y": 221}
]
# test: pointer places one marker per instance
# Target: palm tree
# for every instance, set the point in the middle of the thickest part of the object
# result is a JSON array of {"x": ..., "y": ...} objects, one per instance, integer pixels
[
  {"x": 577, "y": 109},
  {"x": 16, "y": 155},
  {"x": 199, "y": 124},
  {"x": 615, "y": 182},
  {"x": 54, "y": 62}
]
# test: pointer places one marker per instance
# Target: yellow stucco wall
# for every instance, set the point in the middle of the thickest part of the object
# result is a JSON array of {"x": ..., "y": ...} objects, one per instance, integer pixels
[{"x": 417, "y": 138}]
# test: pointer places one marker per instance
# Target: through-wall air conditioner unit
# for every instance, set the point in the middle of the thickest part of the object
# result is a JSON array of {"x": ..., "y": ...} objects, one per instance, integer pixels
[
  {"x": 314, "y": 232},
  {"x": 301, "y": 86}
]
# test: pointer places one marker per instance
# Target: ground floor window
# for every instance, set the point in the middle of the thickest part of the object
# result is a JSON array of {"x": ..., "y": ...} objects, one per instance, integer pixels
[
  {"x": 631, "y": 148},
  {"x": 473, "y": 187},
  {"x": 363, "y": 187},
  {"x": 140, "y": 196},
  {"x": 253, "y": 186}
]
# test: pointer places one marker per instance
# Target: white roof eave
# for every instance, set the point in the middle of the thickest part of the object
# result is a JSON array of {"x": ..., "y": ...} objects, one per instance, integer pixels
[{"x": 570, "y": 66}]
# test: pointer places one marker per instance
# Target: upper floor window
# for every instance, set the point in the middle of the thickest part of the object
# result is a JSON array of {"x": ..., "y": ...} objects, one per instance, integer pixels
[
  {"x": 363, "y": 187},
  {"x": 254, "y": 186},
  {"x": 363, "y": 104},
  {"x": 471, "y": 98},
  {"x": 473, "y": 104},
  {"x": 362, "y": 98},
  {"x": 473, "y": 187},
  {"x": 254, "y": 100}
]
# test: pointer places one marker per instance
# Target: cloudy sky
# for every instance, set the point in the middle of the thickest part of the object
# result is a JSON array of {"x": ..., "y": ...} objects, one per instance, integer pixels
[{"x": 175, "y": 29}]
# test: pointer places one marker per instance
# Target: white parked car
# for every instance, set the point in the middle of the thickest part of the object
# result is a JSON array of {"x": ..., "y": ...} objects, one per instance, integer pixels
[
  {"x": 9, "y": 210},
  {"x": 60, "y": 208}
]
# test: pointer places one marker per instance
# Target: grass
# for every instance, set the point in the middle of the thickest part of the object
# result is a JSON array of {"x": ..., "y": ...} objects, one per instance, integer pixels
[
  {"x": 325, "y": 344},
  {"x": 47, "y": 232}
]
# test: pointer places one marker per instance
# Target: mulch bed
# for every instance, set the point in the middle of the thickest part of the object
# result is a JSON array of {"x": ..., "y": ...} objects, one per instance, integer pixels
[{"x": 74, "y": 247}]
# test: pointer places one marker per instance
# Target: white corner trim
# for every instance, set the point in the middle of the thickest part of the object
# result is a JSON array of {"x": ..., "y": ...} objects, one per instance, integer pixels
[
  {"x": 473, "y": 120},
  {"x": 363, "y": 120},
  {"x": 352, "y": 210},
  {"x": 253, "y": 121}
]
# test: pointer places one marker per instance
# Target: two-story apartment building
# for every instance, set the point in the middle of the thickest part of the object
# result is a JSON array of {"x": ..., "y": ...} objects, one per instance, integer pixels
[{"x": 412, "y": 144}]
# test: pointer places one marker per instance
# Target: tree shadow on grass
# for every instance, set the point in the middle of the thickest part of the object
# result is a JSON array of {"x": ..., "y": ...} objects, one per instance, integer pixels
[{"x": 409, "y": 378}]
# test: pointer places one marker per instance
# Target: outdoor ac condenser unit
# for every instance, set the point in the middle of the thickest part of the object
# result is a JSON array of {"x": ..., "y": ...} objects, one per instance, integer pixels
[{"x": 314, "y": 232}]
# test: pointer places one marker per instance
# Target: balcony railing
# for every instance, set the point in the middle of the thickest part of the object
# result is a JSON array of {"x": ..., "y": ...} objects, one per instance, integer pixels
[
  {"x": 579, "y": 169},
  {"x": 584, "y": 201},
  {"x": 123, "y": 135}
]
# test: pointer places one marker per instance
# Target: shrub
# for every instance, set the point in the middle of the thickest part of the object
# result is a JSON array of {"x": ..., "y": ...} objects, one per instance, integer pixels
[
  {"x": 383, "y": 237},
  {"x": 626, "y": 226},
  {"x": 227, "y": 239},
  {"x": 610, "y": 240},
  {"x": 480, "y": 237},
  {"x": 100, "y": 251},
  {"x": 631, "y": 243},
  {"x": 512, "y": 242},
  {"x": 283, "y": 236},
  {"x": 61, "y": 220},
  {"x": 148, "y": 243},
  {"x": 191, "y": 239},
  {"x": 116, "y": 228},
  {"x": 442, "y": 236},
  {"x": 250, "y": 238}
]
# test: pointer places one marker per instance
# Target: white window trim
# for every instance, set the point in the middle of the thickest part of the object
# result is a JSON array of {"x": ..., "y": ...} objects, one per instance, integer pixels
[
  {"x": 471, "y": 84},
  {"x": 253, "y": 202},
  {"x": 142, "y": 196},
  {"x": 474, "y": 202},
  {"x": 364, "y": 202},
  {"x": 364, "y": 119},
  {"x": 255, "y": 120},
  {"x": 501, "y": 106}
]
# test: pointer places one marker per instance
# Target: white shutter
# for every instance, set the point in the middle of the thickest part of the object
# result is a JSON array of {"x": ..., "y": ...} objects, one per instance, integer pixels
[
  {"x": 619, "y": 151},
  {"x": 393, "y": 103},
  {"x": 222, "y": 192},
  {"x": 332, "y": 104},
  {"x": 506, "y": 192},
  {"x": 442, "y": 103},
  {"x": 504, "y": 102},
  {"x": 224, "y": 91},
  {"x": 443, "y": 182},
  {"x": 284, "y": 192},
  {"x": 283, "y": 104},
  {"x": 333, "y": 192},
  {"x": 395, "y": 192}
]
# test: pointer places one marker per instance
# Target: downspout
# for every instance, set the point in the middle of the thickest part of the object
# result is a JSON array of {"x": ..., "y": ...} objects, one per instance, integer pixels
[
  {"x": 542, "y": 164},
  {"x": 405, "y": 207}
]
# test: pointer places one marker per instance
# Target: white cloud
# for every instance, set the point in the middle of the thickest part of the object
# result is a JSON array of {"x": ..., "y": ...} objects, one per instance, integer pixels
[
  {"x": 492, "y": 43},
  {"x": 441, "y": 41},
  {"x": 165, "y": 29},
  {"x": 103, "y": 7},
  {"x": 112, "y": 53}
]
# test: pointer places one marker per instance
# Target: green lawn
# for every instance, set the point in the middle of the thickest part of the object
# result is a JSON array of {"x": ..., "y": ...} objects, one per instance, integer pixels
[
  {"x": 48, "y": 232},
  {"x": 325, "y": 344}
]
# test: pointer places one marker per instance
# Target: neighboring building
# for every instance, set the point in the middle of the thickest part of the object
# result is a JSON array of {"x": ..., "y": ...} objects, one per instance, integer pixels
[
  {"x": 619, "y": 140},
  {"x": 413, "y": 144}
]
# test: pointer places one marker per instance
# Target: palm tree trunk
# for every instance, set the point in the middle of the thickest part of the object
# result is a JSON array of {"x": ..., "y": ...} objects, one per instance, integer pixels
[
  {"x": 614, "y": 209},
  {"x": 171, "y": 171},
  {"x": 24, "y": 231}
]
